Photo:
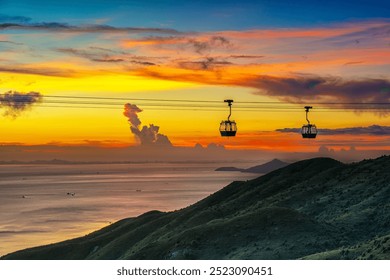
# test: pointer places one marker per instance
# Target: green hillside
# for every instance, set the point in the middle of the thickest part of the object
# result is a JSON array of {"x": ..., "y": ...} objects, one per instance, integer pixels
[{"x": 312, "y": 209}]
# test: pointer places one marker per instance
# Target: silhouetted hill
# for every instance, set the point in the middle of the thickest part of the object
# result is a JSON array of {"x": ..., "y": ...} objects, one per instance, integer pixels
[
  {"x": 261, "y": 169},
  {"x": 266, "y": 167},
  {"x": 312, "y": 209}
]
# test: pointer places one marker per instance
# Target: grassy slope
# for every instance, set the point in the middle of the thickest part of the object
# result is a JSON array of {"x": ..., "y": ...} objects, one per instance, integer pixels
[{"x": 318, "y": 208}]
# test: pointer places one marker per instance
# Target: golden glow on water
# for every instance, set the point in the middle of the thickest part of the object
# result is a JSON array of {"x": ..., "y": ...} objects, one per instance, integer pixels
[{"x": 104, "y": 194}]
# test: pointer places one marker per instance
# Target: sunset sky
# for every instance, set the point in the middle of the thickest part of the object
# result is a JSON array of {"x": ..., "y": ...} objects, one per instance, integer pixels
[{"x": 85, "y": 60}]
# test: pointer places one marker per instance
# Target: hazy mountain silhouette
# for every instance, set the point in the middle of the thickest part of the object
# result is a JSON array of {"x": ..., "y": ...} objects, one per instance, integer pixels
[
  {"x": 316, "y": 209},
  {"x": 229, "y": 168},
  {"x": 266, "y": 167},
  {"x": 261, "y": 169}
]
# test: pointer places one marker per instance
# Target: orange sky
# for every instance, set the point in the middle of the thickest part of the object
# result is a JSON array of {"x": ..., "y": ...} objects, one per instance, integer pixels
[{"x": 293, "y": 66}]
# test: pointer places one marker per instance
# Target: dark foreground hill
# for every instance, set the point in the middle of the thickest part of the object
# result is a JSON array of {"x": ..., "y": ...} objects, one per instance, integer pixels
[{"x": 313, "y": 209}]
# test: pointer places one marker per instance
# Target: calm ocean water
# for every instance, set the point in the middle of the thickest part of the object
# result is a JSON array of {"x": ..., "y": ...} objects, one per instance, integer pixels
[{"x": 41, "y": 204}]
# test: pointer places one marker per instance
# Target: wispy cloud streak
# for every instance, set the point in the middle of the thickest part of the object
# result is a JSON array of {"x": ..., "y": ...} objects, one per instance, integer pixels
[
  {"x": 376, "y": 130},
  {"x": 64, "y": 27},
  {"x": 42, "y": 71}
]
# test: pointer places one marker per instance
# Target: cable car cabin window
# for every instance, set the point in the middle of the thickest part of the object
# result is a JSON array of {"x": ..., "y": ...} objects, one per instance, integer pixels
[
  {"x": 309, "y": 131},
  {"x": 228, "y": 128}
]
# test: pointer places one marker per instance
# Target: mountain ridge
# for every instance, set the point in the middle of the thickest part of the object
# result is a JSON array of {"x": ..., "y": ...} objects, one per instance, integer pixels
[
  {"x": 313, "y": 209},
  {"x": 261, "y": 169}
]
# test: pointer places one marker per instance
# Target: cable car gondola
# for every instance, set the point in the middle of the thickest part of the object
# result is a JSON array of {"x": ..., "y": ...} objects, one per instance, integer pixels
[
  {"x": 228, "y": 127},
  {"x": 308, "y": 130}
]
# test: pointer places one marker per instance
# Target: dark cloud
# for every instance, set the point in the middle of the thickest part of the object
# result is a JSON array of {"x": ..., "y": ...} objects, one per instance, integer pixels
[
  {"x": 15, "y": 102},
  {"x": 146, "y": 136},
  {"x": 247, "y": 56},
  {"x": 102, "y": 49},
  {"x": 64, "y": 27},
  {"x": 41, "y": 71},
  {"x": 75, "y": 52},
  {"x": 100, "y": 55},
  {"x": 19, "y": 19},
  {"x": 209, "y": 63},
  {"x": 93, "y": 55},
  {"x": 150, "y": 136},
  {"x": 38, "y": 26},
  {"x": 131, "y": 112},
  {"x": 368, "y": 130},
  {"x": 107, "y": 50},
  {"x": 109, "y": 60},
  {"x": 297, "y": 89},
  {"x": 146, "y": 63},
  {"x": 211, "y": 43},
  {"x": 323, "y": 89},
  {"x": 289, "y": 130}
]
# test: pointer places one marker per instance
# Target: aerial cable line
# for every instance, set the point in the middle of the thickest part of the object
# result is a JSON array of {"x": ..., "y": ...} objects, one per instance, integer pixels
[
  {"x": 127, "y": 99},
  {"x": 363, "y": 107},
  {"x": 214, "y": 101},
  {"x": 265, "y": 110},
  {"x": 208, "y": 101},
  {"x": 187, "y": 104},
  {"x": 279, "y": 107},
  {"x": 211, "y": 101},
  {"x": 117, "y": 108}
]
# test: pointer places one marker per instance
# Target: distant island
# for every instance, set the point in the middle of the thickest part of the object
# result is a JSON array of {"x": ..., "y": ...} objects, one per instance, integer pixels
[
  {"x": 261, "y": 169},
  {"x": 313, "y": 209}
]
